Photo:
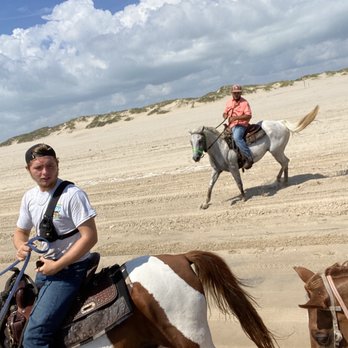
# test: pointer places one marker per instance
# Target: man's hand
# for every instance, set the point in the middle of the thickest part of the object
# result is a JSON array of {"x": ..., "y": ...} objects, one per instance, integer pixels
[
  {"x": 233, "y": 118},
  {"x": 22, "y": 252},
  {"x": 47, "y": 266},
  {"x": 20, "y": 242}
]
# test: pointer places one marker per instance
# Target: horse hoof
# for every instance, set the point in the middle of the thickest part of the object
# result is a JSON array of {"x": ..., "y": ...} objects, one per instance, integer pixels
[
  {"x": 204, "y": 206},
  {"x": 243, "y": 198}
]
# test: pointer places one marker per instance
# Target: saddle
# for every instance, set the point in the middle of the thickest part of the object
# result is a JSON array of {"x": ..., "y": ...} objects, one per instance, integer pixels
[
  {"x": 20, "y": 307},
  {"x": 103, "y": 303},
  {"x": 253, "y": 133}
]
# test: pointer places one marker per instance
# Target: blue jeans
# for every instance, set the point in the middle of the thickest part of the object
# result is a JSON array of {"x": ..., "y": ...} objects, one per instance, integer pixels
[
  {"x": 238, "y": 134},
  {"x": 55, "y": 298}
]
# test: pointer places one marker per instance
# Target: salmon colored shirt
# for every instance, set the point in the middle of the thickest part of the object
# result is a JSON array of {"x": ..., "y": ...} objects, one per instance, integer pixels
[{"x": 237, "y": 108}]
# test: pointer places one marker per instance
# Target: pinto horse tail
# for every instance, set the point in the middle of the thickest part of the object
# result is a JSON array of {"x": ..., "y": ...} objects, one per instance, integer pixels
[
  {"x": 221, "y": 286},
  {"x": 303, "y": 123}
]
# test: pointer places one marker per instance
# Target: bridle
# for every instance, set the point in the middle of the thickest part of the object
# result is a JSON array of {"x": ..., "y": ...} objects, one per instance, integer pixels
[
  {"x": 201, "y": 151},
  {"x": 333, "y": 293}
]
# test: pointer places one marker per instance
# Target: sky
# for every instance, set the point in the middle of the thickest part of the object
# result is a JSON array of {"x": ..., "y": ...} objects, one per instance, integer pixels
[{"x": 64, "y": 59}]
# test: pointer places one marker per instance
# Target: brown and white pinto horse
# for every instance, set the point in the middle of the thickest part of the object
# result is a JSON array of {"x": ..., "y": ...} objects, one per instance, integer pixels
[
  {"x": 327, "y": 311},
  {"x": 171, "y": 308}
]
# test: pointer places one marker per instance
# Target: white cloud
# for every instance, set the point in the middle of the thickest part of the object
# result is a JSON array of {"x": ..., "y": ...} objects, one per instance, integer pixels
[{"x": 85, "y": 60}]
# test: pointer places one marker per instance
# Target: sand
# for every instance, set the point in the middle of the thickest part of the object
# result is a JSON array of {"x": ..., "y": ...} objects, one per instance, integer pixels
[{"x": 147, "y": 191}]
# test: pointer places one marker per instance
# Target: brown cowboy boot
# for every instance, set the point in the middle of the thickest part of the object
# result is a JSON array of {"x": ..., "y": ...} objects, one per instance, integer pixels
[{"x": 248, "y": 163}]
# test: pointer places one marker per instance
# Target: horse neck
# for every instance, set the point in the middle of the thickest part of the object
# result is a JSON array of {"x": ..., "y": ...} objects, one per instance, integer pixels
[{"x": 211, "y": 136}]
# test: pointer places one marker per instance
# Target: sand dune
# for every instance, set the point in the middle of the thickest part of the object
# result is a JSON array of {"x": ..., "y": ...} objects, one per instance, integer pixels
[{"x": 147, "y": 191}]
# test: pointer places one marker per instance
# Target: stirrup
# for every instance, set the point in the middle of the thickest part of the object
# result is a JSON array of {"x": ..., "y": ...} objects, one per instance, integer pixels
[{"x": 248, "y": 164}]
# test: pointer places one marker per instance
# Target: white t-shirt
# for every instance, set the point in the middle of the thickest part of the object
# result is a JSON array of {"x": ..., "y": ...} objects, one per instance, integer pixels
[{"x": 73, "y": 208}]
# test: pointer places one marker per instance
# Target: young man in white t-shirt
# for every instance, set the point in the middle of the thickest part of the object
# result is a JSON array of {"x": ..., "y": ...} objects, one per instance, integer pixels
[{"x": 64, "y": 266}]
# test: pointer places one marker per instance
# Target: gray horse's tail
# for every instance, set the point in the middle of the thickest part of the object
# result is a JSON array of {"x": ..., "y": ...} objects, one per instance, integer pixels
[{"x": 303, "y": 123}]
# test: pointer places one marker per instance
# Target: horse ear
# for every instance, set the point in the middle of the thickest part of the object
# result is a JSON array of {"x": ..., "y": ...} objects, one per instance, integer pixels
[
  {"x": 199, "y": 130},
  {"x": 304, "y": 273},
  {"x": 316, "y": 303}
]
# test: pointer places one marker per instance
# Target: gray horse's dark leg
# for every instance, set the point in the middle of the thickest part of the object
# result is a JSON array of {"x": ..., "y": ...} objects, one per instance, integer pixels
[
  {"x": 215, "y": 175},
  {"x": 286, "y": 174}
]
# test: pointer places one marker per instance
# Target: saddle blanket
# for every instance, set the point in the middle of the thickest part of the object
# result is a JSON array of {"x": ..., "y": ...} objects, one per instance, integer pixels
[{"x": 106, "y": 304}]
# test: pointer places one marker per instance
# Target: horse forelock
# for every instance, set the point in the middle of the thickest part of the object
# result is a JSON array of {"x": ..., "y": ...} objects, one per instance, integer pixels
[
  {"x": 338, "y": 270},
  {"x": 198, "y": 130},
  {"x": 318, "y": 295}
]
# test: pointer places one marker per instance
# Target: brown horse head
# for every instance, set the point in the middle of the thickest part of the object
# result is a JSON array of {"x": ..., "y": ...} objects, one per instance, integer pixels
[{"x": 320, "y": 318}]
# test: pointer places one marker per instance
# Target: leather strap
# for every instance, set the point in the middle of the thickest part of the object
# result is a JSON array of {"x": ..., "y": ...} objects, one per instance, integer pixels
[
  {"x": 52, "y": 204},
  {"x": 337, "y": 333},
  {"x": 337, "y": 295},
  {"x": 56, "y": 194}
]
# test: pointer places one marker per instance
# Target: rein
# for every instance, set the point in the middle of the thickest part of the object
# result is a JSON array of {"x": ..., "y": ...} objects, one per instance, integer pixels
[
  {"x": 215, "y": 141},
  {"x": 329, "y": 286},
  {"x": 205, "y": 149},
  {"x": 218, "y": 136},
  {"x": 31, "y": 244}
]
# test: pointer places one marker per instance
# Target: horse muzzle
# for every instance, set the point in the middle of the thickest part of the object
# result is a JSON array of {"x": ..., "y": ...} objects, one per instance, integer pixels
[
  {"x": 196, "y": 157},
  {"x": 324, "y": 339},
  {"x": 197, "y": 153}
]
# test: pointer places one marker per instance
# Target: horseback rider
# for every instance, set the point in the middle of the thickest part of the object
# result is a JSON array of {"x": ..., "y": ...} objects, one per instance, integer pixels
[
  {"x": 64, "y": 266},
  {"x": 238, "y": 114}
]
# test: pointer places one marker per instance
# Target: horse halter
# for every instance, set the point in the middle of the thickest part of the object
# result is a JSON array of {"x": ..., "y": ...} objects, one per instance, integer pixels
[
  {"x": 200, "y": 150},
  {"x": 333, "y": 293}
]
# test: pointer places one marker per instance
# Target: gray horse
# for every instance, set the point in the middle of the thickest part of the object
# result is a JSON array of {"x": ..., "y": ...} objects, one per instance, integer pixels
[{"x": 223, "y": 158}]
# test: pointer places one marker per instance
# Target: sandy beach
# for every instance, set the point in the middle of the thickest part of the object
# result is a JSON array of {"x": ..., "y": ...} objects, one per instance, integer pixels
[{"x": 147, "y": 191}]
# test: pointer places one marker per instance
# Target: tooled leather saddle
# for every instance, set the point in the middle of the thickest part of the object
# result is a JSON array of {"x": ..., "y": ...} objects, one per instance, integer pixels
[
  {"x": 103, "y": 303},
  {"x": 253, "y": 133}
]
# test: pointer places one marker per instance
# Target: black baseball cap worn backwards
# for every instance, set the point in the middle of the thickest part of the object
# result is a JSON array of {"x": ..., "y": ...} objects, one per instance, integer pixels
[{"x": 39, "y": 150}]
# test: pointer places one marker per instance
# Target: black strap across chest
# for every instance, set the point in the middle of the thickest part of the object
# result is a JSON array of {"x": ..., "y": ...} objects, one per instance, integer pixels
[
  {"x": 53, "y": 202},
  {"x": 55, "y": 197}
]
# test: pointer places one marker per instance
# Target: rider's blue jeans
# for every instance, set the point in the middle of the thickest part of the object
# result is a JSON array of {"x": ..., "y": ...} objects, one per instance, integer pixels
[
  {"x": 55, "y": 298},
  {"x": 238, "y": 134}
]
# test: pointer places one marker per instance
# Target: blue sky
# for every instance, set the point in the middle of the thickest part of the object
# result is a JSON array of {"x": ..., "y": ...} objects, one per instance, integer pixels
[
  {"x": 63, "y": 59},
  {"x": 27, "y": 13}
]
